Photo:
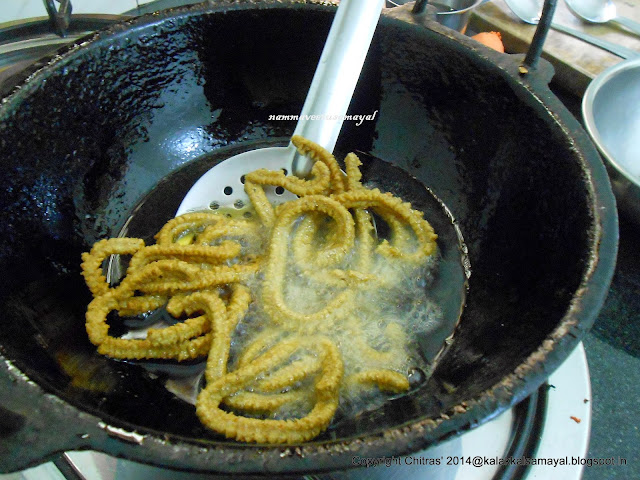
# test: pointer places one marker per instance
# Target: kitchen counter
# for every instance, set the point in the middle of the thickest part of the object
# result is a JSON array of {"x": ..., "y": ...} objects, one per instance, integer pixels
[
  {"x": 613, "y": 352},
  {"x": 576, "y": 62}
]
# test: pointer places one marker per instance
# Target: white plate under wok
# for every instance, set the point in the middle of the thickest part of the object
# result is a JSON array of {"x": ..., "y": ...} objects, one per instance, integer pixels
[{"x": 563, "y": 437}]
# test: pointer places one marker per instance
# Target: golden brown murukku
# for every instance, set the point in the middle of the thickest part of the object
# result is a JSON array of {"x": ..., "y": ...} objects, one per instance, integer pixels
[
  {"x": 136, "y": 305},
  {"x": 188, "y": 224},
  {"x": 198, "y": 254},
  {"x": 289, "y": 375},
  {"x": 275, "y": 270},
  {"x": 259, "y": 344},
  {"x": 93, "y": 260},
  {"x": 339, "y": 244},
  {"x": 320, "y": 155},
  {"x": 385, "y": 204},
  {"x": 238, "y": 230},
  {"x": 385, "y": 380},
  {"x": 137, "y": 349},
  {"x": 326, "y": 389},
  {"x": 354, "y": 176},
  {"x": 261, "y": 403},
  {"x": 168, "y": 277},
  {"x": 365, "y": 232},
  {"x": 223, "y": 327},
  {"x": 255, "y": 182},
  {"x": 180, "y": 332},
  {"x": 210, "y": 273}
]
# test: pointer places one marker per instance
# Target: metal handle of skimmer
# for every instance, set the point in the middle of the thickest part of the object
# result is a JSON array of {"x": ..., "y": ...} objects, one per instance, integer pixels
[{"x": 336, "y": 76}]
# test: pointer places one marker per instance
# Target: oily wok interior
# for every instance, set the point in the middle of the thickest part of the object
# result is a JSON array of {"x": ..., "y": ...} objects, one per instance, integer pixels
[{"x": 87, "y": 143}]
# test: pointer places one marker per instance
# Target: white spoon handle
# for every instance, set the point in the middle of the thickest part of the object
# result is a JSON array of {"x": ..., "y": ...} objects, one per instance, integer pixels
[
  {"x": 628, "y": 23},
  {"x": 619, "y": 50},
  {"x": 337, "y": 75}
]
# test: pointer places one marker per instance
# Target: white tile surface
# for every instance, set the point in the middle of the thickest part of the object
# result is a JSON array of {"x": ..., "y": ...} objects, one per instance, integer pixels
[
  {"x": 46, "y": 471},
  {"x": 19, "y": 9}
]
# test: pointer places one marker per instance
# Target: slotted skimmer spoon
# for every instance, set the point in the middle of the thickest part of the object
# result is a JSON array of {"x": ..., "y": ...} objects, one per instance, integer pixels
[
  {"x": 321, "y": 118},
  {"x": 330, "y": 94}
]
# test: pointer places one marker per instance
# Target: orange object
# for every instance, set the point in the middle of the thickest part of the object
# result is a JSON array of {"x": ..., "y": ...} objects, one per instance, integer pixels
[{"x": 490, "y": 39}]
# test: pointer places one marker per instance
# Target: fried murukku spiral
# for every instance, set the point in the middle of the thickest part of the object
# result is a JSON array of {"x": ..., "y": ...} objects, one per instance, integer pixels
[
  {"x": 326, "y": 392},
  {"x": 295, "y": 280}
]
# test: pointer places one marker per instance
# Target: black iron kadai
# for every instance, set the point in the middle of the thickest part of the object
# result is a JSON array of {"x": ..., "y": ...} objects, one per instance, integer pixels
[{"x": 86, "y": 137}]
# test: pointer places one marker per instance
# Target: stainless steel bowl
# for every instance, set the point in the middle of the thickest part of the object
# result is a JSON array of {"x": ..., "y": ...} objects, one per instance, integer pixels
[
  {"x": 454, "y": 14},
  {"x": 611, "y": 112}
]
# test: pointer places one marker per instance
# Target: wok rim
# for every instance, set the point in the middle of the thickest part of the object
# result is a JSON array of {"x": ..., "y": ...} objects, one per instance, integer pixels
[{"x": 413, "y": 435}]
